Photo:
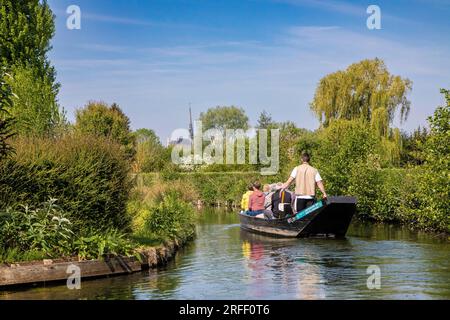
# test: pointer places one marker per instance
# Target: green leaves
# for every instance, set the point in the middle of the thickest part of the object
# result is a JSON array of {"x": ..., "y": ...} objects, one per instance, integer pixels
[
  {"x": 364, "y": 90},
  {"x": 98, "y": 244},
  {"x": 6, "y": 121},
  {"x": 88, "y": 175},
  {"x": 43, "y": 229},
  {"x": 223, "y": 118},
  {"x": 34, "y": 107},
  {"x": 26, "y": 28},
  {"x": 99, "y": 119},
  {"x": 47, "y": 230},
  {"x": 170, "y": 218}
]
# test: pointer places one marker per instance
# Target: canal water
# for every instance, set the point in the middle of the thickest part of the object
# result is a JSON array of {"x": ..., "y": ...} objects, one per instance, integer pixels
[{"x": 225, "y": 262}]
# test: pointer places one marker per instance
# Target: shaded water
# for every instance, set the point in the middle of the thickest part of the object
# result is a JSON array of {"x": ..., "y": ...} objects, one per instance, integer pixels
[{"x": 227, "y": 263}]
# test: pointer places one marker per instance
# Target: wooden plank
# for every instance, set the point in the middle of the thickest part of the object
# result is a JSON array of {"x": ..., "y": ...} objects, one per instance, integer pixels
[
  {"x": 48, "y": 271},
  {"x": 25, "y": 274}
]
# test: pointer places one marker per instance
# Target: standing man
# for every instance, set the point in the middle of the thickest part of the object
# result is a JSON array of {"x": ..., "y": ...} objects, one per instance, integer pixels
[{"x": 306, "y": 178}]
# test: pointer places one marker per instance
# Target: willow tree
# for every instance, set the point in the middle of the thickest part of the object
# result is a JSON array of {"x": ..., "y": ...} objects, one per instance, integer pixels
[{"x": 364, "y": 90}]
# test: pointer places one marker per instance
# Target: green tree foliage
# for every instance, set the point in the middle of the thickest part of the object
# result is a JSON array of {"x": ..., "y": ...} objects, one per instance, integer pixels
[
  {"x": 434, "y": 184},
  {"x": 293, "y": 141},
  {"x": 31, "y": 233},
  {"x": 265, "y": 121},
  {"x": 97, "y": 118},
  {"x": 343, "y": 144},
  {"x": 364, "y": 90},
  {"x": 412, "y": 147},
  {"x": 5, "y": 118},
  {"x": 223, "y": 118},
  {"x": 43, "y": 229},
  {"x": 418, "y": 195},
  {"x": 150, "y": 156},
  {"x": 88, "y": 175},
  {"x": 26, "y": 28},
  {"x": 35, "y": 109},
  {"x": 171, "y": 218}
]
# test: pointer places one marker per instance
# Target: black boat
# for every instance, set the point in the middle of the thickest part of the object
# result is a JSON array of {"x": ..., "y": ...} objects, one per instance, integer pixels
[{"x": 326, "y": 218}]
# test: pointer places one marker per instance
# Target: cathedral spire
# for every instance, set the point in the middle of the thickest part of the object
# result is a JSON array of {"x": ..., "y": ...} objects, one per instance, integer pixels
[{"x": 191, "y": 126}]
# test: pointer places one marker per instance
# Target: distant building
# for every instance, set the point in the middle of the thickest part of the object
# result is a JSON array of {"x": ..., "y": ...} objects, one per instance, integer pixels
[
  {"x": 183, "y": 137},
  {"x": 178, "y": 141}
]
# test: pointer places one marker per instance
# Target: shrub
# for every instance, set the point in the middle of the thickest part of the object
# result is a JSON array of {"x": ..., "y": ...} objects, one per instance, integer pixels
[
  {"x": 98, "y": 244},
  {"x": 343, "y": 144},
  {"x": 171, "y": 218},
  {"x": 12, "y": 255},
  {"x": 163, "y": 210},
  {"x": 434, "y": 180},
  {"x": 150, "y": 155},
  {"x": 45, "y": 229},
  {"x": 97, "y": 118},
  {"x": 145, "y": 197},
  {"x": 364, "y": 183},
  {"x": 87, "y": 174},
  {"x": 45, "y": 232}
]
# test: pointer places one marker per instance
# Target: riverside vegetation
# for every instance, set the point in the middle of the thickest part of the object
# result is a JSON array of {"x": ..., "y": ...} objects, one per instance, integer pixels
[{"x": 94, "y": 188}]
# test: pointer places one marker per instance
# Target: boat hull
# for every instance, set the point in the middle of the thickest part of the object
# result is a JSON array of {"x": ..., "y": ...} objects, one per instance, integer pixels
[{"x": 331, "y": 219}]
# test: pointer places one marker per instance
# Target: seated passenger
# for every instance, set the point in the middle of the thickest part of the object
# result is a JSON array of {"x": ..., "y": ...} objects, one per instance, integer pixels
[
  {"x": 266, "y": 189},
  {"x": 245, "y": 198},
  {"x": 268, "y": 202},
  {"x": 282, "y": 201},
  {"x": 268, "y": 197},
  {"x": 256, "y": 202}
]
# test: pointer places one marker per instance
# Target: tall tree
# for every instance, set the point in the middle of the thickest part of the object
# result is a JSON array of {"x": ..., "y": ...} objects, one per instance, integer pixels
[
  {"x": 265, "y": 120},
  {"x": 150, "y": 155},
  {"x": 26, "y": 28},
  {"x": 35, "y": 109},
  {"x": 99, "y": 119},
  {"x": 437, "y": 145},
  {"x": 364, "y": 90},
  {"x": 412, "y": 147},
  {"x": 223, "y": 118},
  {"x": 434, "y": 184}
]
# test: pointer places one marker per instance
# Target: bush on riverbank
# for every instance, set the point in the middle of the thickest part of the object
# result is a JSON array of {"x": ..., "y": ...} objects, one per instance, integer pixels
[
  {"x": 29, "y": 233},
  {"x": 170, "y": 219},
  {"x": 162, "y": 210},
  {"x": 88, "y": 175}
]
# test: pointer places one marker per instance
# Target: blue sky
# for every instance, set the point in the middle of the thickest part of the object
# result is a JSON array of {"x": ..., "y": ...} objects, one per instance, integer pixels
[{"x": 154, "y": 57}]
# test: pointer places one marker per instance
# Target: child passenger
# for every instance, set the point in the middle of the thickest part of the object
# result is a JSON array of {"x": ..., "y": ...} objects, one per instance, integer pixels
[
  {"x": 246, "y": 198},
  {"x": 256, "y": 201}
]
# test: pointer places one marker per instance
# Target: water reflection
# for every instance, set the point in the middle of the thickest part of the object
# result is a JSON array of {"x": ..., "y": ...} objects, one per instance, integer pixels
[{"x": 225, "y": 262}]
